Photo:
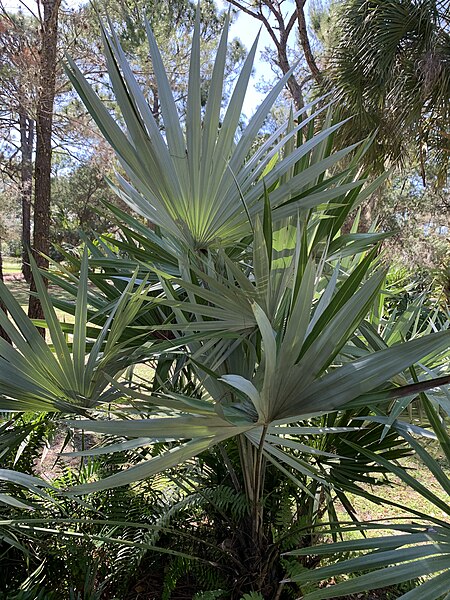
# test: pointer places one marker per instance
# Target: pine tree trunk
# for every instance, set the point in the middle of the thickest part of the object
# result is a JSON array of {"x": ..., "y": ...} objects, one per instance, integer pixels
[
  {"x": 26, "y": 188},
  {"x": 3, "y": 333},
  {"x": 41, "y": 232}
]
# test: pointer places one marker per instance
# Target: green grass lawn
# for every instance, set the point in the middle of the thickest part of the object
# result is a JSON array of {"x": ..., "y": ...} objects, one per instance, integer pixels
[
  {"x": 397, "y": 491},
  {"x": 20, "y": 290},
  {"x": 11, "y": 265}
]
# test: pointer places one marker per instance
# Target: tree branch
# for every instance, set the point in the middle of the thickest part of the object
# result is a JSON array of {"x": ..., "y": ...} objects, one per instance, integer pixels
[
  {"x": 304, "y": 41},
  {"x": 291, "y": 23},
  {"x": 257, "y": 15}
]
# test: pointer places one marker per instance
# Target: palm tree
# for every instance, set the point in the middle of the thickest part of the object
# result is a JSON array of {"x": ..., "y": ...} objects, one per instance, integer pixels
[
  {"x": 390, "y": 66},
  {"x": 245, "y": 292}
]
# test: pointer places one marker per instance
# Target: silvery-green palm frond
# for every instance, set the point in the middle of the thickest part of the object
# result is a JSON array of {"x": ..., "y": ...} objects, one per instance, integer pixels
[
  {"x": 194, "y": 177},
  {"x": 262, "y": 329},
  {"x": 68, "y": 376},
  {"x": 266, "y": 352}
]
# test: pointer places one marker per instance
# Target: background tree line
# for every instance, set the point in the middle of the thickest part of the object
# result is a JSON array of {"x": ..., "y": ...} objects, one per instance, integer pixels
[
  {"x": 54, "y": 162},
  {"x": 394, "y": 80}
]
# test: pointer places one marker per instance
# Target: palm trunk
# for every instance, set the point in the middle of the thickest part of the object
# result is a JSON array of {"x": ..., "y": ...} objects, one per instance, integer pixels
[{"x": 259, "y": 555}]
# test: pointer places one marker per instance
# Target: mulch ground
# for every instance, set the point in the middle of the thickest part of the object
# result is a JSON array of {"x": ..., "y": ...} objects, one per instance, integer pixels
[{"x": 13, "y": 277}]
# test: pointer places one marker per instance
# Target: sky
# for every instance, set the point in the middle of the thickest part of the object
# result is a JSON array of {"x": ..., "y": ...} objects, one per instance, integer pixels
[{"x": 244, "y": 27}]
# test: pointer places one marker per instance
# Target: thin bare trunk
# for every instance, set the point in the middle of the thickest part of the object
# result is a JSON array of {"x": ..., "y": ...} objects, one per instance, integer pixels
[
  {"x": 3, "y": 333},
  {"x": 26, "y": 188},
  {"x": 44, "y": 119},
  {"x": 280, "y": 37},
  {"x": 294, "y": 86},
  {"x": 304, "y": 41}
]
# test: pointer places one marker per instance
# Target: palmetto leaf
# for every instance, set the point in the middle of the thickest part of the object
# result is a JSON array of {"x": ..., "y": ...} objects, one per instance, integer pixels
[
  {"x": 193, "y": 182},
  {"x": 145, "y": 469},
  {"x": 68, "y": 379},
  {"x": 172, "y": 428},
  {"x": 430, "y": 557},
  {"x": 420, "y": 550},
  {"x": 33, "y": 485},
  {"x": 363, "y": 375}
]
